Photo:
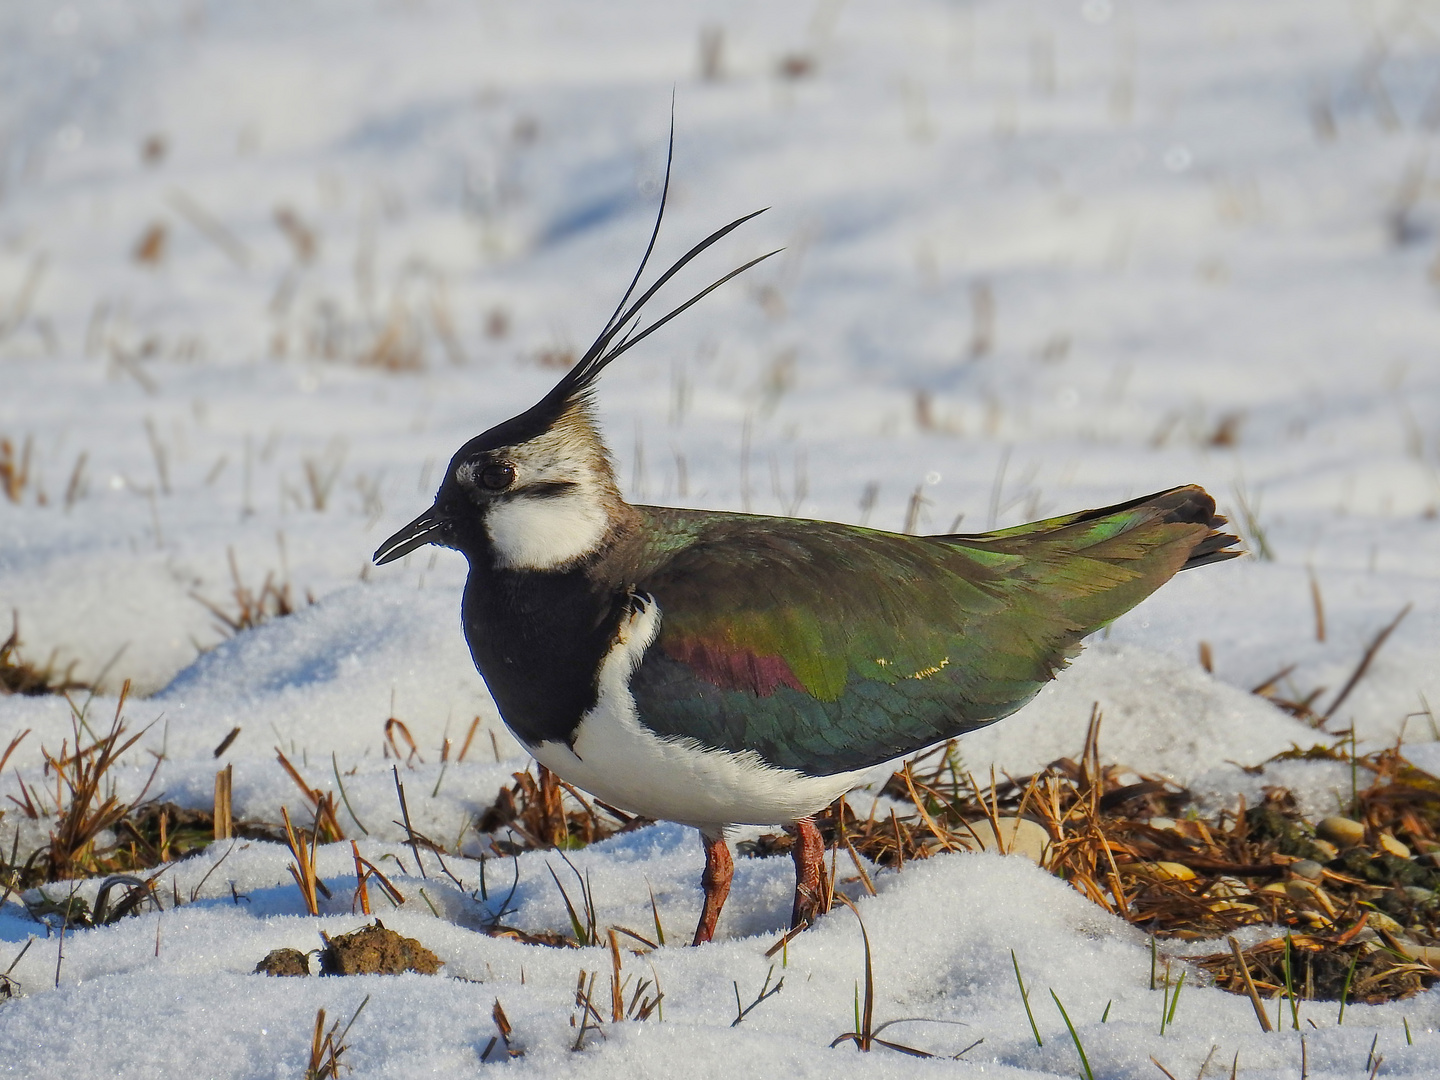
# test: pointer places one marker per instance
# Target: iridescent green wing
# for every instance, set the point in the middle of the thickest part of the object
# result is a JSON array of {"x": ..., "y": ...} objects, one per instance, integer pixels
[{"x": 825, "y": 647}]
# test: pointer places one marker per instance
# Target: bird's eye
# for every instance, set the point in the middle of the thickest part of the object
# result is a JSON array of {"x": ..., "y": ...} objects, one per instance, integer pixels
[{"x": 498, "y": 477}]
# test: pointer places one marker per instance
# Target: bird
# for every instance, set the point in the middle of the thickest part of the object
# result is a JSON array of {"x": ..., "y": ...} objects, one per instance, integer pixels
[{"x": 719, "y": 669}]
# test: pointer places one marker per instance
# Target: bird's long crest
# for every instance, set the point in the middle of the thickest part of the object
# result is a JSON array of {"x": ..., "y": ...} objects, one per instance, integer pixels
[{"x": 622, "y": 331}]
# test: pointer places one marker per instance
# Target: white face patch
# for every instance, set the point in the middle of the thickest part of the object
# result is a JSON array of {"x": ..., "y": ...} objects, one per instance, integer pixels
[
  {"x": 540, "y": 533},
  {"x": 625, "y": 764},
  {"x": 566, "y": 515}
]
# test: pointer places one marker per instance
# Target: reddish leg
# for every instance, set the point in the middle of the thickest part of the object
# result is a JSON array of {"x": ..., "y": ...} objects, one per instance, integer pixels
[
  {"x": 719, "y": 869},
  {"x": 812, "y": 889}
]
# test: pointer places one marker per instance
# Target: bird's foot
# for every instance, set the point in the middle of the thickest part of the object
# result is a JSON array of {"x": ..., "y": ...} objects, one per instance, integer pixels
[
  {"x": 719, "y": 869},
  {"x": 812, "y": 885}
]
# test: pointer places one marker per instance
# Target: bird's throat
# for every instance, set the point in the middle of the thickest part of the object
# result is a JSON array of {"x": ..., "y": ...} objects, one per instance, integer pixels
[{"x": 539, "y": 533}]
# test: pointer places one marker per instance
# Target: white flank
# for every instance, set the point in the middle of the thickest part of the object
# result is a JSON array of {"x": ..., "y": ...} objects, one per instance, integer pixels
[
  {"x": 625, "y": 764},
  {"x": 534, "y": 533}
]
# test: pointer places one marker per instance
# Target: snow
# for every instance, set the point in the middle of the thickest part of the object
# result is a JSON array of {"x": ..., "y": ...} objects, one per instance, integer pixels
[{"x": 1037, "y": 257}]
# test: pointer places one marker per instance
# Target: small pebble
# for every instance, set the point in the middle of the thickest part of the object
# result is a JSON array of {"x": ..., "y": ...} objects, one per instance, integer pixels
[
  {"x": 1021, "y": 836},
  {"x": 1324, "y": 850},
  {"x": 1380, "y": 921},
  {"x": 1342, "y": 831},
  {"x": 1415, "y": 894},
  {"x": 1162, "y": 823},
  {"x": 1307, "y": 868},
  {"x": 1229, "y": 886},
  {"x": 1426, "y": 954},
  {"x": 1393, "y": 846}
]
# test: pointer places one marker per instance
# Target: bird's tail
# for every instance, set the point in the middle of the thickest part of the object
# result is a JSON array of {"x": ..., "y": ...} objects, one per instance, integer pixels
[{"x": 1189, "y": 505}]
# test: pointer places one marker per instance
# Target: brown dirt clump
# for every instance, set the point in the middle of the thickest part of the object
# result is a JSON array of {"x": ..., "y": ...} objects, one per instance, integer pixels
[
  {"x": 375, "y": 950},
  {"x": 284, "y": 962}
]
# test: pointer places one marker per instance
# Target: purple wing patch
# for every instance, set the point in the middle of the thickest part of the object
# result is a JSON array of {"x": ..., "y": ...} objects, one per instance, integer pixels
[{"x": 732, "y": 668}]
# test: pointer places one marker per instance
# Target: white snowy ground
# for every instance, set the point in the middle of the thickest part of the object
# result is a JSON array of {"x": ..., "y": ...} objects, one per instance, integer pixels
[{"x": 1038, "y": 257}]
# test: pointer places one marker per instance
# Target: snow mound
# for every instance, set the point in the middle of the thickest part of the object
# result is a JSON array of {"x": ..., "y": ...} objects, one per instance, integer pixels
[{"x": 1158, "y": 716}]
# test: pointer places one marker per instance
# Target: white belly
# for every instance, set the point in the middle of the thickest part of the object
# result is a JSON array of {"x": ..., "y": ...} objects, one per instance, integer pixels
[{"x": 620, "y": 761}]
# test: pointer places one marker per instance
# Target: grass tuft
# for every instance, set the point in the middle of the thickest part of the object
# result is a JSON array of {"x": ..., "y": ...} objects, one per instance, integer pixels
[
  {"x": 251, "y": 607},
  {"x": 86, "y": 806},
  {"x": 15, "y": 474},
  {"x": 865, "y": 1035},
  {"x": 1170, "y": 1002},
  {"x": 533, "y": 814},
  {"x": 302, "y": 866},
  {"x": 502, "y": 1025},
  {"x": 326, "y": 1047},
  {"x": 590, "y": 1018},
  {"x": 322, "y": 804},
  {"x": 586, "y": 929},
  {"x": 21, "y": 676}
]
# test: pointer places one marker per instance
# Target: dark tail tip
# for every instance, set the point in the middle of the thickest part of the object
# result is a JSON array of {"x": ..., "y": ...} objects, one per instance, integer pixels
[
  {"x": 1194, "y": 506},
  {"x": 1216, "y": 547}
]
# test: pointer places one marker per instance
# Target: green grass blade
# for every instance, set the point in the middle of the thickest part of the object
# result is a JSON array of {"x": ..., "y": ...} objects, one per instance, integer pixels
[
  {"x": 1290, "y": 984},
  {"x": 335, "y": 764},
  {"x": 579, "y": 930},
  {"x": 1025, "y": 999},
  {"x": 1079, "y": 1047},
  {"x": 1175, "y": 1001},
  {"x": 1345, "y": 990}
]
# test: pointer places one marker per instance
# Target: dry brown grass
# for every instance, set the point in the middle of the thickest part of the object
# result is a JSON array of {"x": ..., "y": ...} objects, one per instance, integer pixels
[
  {"x": 86, "y": 806},
  {"x": 302, "y": 864},
  {"x": 249, "y": 608},
  {"x": 21, "y": 676},
  {"x": 536, "y": 816},
  {"x": 327, "y": 1047},
  {"x": 325, "y": 825},
  {"x": 15, "y": 475},
  {"x": 1362, "y": 923},
  {"x": 95, "y": 832}
]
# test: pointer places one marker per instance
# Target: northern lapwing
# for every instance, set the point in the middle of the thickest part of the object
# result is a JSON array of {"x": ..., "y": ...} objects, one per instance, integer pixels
[{"x": 719, "y": 669}]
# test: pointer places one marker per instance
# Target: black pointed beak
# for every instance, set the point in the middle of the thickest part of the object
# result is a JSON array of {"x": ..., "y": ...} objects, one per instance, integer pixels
[{"x": 423, "y": 530}]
